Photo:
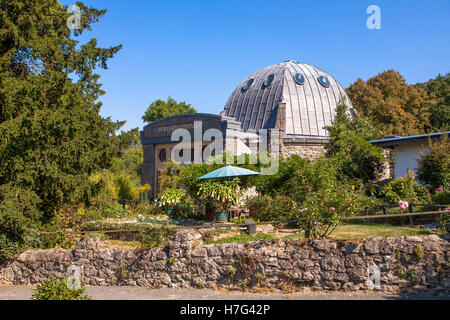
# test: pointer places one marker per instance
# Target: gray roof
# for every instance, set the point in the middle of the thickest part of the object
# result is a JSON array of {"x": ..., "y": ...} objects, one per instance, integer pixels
[
  {"x": 395, "y": 141},
  {"x": 309, "y": 106}
]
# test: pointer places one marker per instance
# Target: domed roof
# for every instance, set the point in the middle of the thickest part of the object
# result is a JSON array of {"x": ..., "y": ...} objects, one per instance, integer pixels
[{"x": 310, "y": 94}]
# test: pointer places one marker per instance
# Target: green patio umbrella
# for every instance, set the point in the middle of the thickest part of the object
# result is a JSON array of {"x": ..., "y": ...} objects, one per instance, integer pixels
[{"x": 228, "y": 171}]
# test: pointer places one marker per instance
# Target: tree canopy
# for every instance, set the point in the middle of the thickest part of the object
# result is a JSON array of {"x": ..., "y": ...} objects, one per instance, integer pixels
[
  {"x": 159, "y": 109},
  {"x": 51, "y": 134},
  {"x": 439, "y": 88},
  {"x": 395, "y": 107},
  {"x": 349, "y": 146}
]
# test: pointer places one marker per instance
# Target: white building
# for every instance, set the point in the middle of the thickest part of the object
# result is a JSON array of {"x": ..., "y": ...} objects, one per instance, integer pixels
[{"x": 405, "y": 151}]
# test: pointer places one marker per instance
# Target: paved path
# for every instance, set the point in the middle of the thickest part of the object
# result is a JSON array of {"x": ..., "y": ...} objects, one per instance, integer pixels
[{"x": 139, "y": 293}]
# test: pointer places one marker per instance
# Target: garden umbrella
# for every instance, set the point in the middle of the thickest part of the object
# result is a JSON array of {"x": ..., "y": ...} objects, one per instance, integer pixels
[{"x": 228, "y": 171}]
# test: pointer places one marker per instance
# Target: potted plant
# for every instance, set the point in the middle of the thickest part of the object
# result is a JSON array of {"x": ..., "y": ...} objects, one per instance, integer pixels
[
  {"x": 222, "y": 194},
  {"x": 171, "y": 199}
]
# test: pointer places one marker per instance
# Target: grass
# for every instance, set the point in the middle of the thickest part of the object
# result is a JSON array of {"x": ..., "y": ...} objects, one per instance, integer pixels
[
  {"x": 362, "y": 231},
  {"x": 342, "y": 232},
  {"x": 124, "y": 244},
  {"x": 243, "y": 238}
]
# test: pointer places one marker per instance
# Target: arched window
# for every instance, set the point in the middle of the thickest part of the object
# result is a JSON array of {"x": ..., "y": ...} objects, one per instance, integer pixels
[{"x": 162, "y": 155}]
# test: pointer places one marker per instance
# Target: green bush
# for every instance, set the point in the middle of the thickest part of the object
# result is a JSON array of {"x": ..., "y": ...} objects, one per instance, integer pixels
[
  {"x": 349, "y": 146},
  {"x": 266, "y": 208},
  {"x": 444, "y": 223},
  {"x": 434, "y": 168},
  {"x": 53, "y": 289},
  {"x": 18, "y": 225},
  {"x": 321, "y": 211},
  {"x": 441, "y": 198},
  {"x": 111, "y": 209},
  {"x": 403, "y": 188},
  {"x": 154, "y": 238}
]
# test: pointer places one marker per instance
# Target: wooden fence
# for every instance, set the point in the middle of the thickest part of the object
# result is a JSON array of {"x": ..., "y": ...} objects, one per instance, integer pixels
[{"x": 441, "y": 210}]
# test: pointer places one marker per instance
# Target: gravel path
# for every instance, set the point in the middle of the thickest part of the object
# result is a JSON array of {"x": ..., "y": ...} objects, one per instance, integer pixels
[{"x": 139, "y": 293}]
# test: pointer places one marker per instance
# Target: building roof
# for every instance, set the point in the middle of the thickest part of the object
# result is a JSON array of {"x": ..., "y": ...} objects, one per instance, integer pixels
[
  {"x": 310, "y": 94},
  {"x": 395, "y": 141}
]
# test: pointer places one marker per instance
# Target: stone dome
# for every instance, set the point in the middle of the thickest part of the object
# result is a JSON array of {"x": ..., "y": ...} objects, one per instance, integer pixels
[{"x": 310, "y": 96}]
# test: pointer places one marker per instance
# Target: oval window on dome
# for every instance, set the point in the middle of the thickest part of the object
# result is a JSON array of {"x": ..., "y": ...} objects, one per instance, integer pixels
[
  {"x": 324, "y": 81},
  {"x": 248, "y": 84},
  {"x": 299, "y": 78},
  {"x": 268, "y": 80}
]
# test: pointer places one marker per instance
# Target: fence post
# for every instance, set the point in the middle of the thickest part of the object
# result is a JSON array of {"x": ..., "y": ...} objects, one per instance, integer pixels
[
  {"x": 439, "y": 217},
  {"x": 411, "y": 218}
]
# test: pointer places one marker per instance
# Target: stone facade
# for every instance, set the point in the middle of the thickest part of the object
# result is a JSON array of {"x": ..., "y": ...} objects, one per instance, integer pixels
[
  {"x": 310, "y": 152},
  {"x": 405, "y": 264}
]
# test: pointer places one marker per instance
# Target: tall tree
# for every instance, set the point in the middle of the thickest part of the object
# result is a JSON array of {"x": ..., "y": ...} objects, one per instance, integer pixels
[
  {"x": 51, "y": 134},
  {"x": 159, "y": 109},
  {"x": 395, "y": 107},
  {"x": 349, "y": 146},
  {"x": 439, "y": 87}
]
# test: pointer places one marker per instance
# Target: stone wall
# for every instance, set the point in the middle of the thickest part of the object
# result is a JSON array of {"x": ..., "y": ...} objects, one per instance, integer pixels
[
  {"x": 407, "y": 263},
  {"x": 310, "y": 152}
]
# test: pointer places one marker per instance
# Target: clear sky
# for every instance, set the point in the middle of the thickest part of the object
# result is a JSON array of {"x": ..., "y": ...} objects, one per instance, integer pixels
[{"x": 198, "y": 51}]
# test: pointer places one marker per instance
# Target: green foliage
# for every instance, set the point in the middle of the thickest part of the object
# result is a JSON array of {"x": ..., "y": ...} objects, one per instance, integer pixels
[
  {"x": 122, "y": 179},
  {"x": 349, "y": 146},
  {"x": 172, "y": 197},
  {"x": 170, "y": 176},
  {"x": 53, "y": 289},
  {"x": 189, "y": 174},
  {"x": 125, "y": 188},
  {"x": 243, "y": 238},
  {"x": 159, "y": 109},
  {"x": 440, "y": 113},
  {"x": 434, "y": 167},
  {"x": 18, "y": 222},
  {"x": 395, "y": 107},
  {"x": 444, "y": 223},
  {"x": 129, "y": 162},
  {"x": 223, "y": 193},
  {"x": 111, "y": 209},
  {"x": 63, "y": 222},
  {"x": 280, "y": 182},
  {"x": 52, "y": 135},
  {"x": 322, "y": 201},
  {"x": 267, "y": 208},
  {"x": 11, "y": 247},
  {"x": 154, "y": 238},
  {"x": 322, "y": 210},
  {"x": 403, "y": 188}
]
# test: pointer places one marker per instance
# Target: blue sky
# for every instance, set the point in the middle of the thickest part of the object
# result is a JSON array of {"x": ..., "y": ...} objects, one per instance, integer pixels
[{"x": 198, "y": 51}]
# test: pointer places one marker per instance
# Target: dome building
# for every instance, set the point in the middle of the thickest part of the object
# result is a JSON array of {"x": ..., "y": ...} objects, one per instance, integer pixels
[
  {"x": 286, "y": 104},
  {"x": 297, "y": 98}
]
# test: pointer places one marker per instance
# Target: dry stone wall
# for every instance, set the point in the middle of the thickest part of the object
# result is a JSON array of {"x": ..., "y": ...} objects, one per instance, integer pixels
[
  {"x": 404, "y": 264},
  {"x": 309, "y": 152}
]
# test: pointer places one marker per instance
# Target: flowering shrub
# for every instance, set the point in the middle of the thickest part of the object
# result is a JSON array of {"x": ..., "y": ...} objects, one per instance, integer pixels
[
  {"x": 172, "y": 197},
  {"x": 320, "y": 212},
  {"x": 246, "y": 195},
  {"x": 403, "y": 205},
  {"x": 143, "y": 192},
  {"x": 403, "y": 189},
  {"x": 222, "y": 193}
]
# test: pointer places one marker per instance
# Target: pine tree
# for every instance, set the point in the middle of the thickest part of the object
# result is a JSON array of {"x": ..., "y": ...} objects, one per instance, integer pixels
[{"x": 51, "y": 134}]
